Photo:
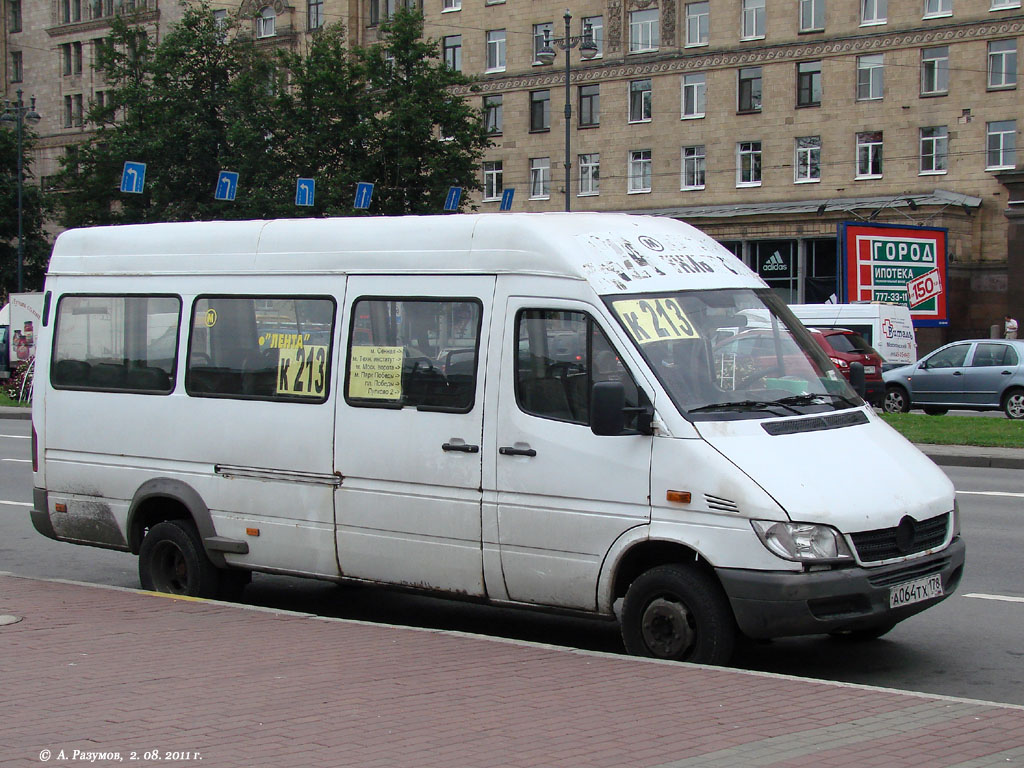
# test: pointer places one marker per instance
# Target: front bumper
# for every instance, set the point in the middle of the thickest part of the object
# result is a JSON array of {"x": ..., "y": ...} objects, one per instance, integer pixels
[{"x": 772, "y": 604}]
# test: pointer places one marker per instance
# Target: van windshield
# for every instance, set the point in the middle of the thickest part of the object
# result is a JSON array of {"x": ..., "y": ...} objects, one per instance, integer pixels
[{"x": 732, "y": 354}]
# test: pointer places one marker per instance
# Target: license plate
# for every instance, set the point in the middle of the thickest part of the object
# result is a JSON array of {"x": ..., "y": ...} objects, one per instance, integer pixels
[
  {"x": 869, "y": 369},
  {"x": 911, "y": 592}
]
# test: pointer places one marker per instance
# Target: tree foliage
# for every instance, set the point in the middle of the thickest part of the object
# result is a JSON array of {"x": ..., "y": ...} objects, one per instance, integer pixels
[
  {"x": 36, "y": 247},
  {"x": 207, "y": 99}
]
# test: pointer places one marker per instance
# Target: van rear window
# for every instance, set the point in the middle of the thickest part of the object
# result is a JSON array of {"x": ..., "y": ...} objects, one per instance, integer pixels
[
  {"x": 116, "y": 343},
  {"x": 261, "y": 348}
]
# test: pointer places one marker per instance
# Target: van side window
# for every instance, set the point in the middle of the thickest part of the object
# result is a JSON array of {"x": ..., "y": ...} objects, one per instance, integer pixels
[
  {"x": 116, "y": 343},
  {"x": 261, "y": 348},
  {"x": 560, "y": 355},
  {"x": 413, "y": 352}
]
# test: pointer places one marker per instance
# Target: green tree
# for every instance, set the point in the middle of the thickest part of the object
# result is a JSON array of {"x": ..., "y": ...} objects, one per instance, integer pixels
[{"x": 36, "y": 246}]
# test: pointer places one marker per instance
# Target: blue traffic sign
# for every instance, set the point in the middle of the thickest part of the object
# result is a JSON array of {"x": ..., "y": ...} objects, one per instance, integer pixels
[
  {"x": 364, "y": 193},
  {"x": 133, "y": 177},
  {"x": 227, "y": 186},
  {"x": 451, "y": 203},
  {"x": 305, "y": 191},
  {"x": 506, "y": 199}
]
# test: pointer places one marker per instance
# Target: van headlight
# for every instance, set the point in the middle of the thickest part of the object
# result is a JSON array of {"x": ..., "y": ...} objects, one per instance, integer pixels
[{"x": 802, "y": 542}]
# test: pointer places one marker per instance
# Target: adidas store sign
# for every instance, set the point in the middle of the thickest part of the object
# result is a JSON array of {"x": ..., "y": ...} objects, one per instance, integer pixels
[{"x": 775, "y": 263}]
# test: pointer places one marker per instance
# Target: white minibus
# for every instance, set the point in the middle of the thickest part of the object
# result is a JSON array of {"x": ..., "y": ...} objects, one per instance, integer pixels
[
  {"x": 524, "y": 409},
  {"x": 886, "y": 327}
]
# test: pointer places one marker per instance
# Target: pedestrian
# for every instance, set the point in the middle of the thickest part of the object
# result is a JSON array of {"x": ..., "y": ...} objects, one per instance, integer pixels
[{"x": 1009, "y": 328}]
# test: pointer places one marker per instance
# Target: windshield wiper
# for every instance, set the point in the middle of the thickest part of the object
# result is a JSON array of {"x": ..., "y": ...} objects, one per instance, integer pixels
[
  {"x": 812, "y": 399},
  {"x": 744, "y": 405}
]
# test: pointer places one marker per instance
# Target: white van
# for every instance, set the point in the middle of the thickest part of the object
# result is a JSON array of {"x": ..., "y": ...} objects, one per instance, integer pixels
[
  {"x": 886, "y": 327},
  {"x": 528, "y": 409}
]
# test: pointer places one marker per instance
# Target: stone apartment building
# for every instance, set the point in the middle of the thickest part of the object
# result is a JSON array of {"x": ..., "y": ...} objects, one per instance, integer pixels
[{"x": 766, "y": 123}]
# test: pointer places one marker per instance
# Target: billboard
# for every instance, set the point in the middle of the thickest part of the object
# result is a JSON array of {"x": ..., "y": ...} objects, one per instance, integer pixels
[{"x": 897, "y": 265}]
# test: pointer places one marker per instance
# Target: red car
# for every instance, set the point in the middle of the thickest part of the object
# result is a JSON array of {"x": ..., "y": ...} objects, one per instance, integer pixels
[{"x": 844, "y": 347}]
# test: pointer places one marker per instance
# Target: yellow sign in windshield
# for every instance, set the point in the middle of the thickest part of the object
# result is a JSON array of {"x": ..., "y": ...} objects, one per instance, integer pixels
[{"x": 656, "y": 319}]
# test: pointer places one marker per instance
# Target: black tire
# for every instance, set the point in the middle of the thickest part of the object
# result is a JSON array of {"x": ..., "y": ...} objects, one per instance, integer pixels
[
  {"x": 172, "y": 560},
  {"x": 679, "y": 613},
  {"x": 1013, "y": 404},
  {"x": 934, "y": 410},
  {"x": 896, "y": 400},
  {"x": 862, "y": 635}
]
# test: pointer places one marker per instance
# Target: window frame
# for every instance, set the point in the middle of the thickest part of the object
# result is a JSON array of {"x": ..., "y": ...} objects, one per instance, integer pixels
[
  {"x": 540, "y": 178},
  {"x": 266, "y": 23},
  {"x": 451, "y": 53},
  {"x": 1008, "y": 70},
  {"x": 593, "y": 106},
  {"x": 314, "y": 14},
  {"x": 596, "y": 32},
  {"x": 754, "y": 151},
  {"x": 941, "y": 8},
  {"x": 807, "y": 156},
  {"x": 493, "y": 106},
  {"x": 544, "y": 105},
  {"x": 746, "y": 92},
  {"x": 806, "y": 82},
  {"x": 874, "y": 154},
  {"x": 753, "y": 20},
  {"x": 539, "y": 38},
  {"x": 871, "y": 74},
  {"x": 935, "y": 76},
  {"x": 874, "y": 12},
  {"x": 592, "y": 175},
  {"x": 493, "y": 172},
  {"x": 644, "y": 32},
  {"x": 640, "y": 106},
  {"x": 935, "y": 143},
  {"x": 810, "y": 12},
  {"x": 696, "y": 162},
  {"x": 639, "y": 168},
  {"x": 1007, "y": 150},
  {"x": 698, "y": 24},
  {"x": 699, "y": 89},
  {"x": 495, "y": 42}
]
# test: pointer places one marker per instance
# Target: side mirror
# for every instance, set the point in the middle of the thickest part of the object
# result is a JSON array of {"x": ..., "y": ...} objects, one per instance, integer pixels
[
  {"x": 857, "y": 379},
  {"x": 607, "y": 408}
]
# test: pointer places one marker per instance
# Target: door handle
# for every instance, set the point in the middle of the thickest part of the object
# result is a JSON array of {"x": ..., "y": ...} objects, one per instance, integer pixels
[
  {"x": 460, "y": 447},
  {"x": 958, "y": 373},
  {"x": 508, "y": 450},
  {"x": 1006, "y": 373}
]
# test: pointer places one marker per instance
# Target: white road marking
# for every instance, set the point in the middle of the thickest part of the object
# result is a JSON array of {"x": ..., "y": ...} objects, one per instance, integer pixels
[
  {"x": 20, "y": 461},
  {"x": 16, "y": 503},
  {"x": 1007, "y": 494},
  {"x": 18, "y": 437},
  {"x": 1004, "y": 598}
]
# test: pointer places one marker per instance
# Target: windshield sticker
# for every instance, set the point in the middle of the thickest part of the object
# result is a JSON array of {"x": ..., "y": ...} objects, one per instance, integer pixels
[
  {"x": 650, "y": 320},
  {"x": 302, "y": 371},
  {"x": 284, "y": 340},
  {"x": 375, "y": 373}
]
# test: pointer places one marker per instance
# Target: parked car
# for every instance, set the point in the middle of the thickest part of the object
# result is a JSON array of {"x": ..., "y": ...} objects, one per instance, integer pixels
[
  {"x": 843, "y": 347},
  {"x": 979, "y": 374}
]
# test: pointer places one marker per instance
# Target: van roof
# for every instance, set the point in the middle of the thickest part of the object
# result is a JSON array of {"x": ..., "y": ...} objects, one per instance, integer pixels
[{"x": 616, "y": 253}]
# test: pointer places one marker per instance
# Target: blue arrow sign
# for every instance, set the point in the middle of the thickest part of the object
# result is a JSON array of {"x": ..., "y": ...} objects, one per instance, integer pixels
[
  {"x": 506, "y": 199},
  {"x": 305, "y": 191},
  {"x": 133, "y": 177},
  {"x": 227, "y": 186},
  {"x": 364, "y": 193},
  {"x": 451, "y": 203}
]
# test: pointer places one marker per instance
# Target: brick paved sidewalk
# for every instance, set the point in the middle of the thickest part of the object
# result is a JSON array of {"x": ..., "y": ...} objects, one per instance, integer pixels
[{"x": 115, "y": 671}]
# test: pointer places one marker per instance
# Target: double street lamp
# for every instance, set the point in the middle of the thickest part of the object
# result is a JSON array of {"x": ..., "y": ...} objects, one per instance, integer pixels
[
  {"x": 18, "y": 113},
  {"x": 546, "y": 55}
]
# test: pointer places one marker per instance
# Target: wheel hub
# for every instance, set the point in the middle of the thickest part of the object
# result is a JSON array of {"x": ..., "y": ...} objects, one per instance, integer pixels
[{"x": 667, "y": 629}]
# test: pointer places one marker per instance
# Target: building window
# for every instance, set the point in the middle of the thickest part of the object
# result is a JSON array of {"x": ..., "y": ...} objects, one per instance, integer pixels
[
  {"x": 998, "y": 5},
  {"x": 934, "y": 150},
  {"x": 1001, "y": 149},
  {"x": 749, "y": 90},
  {"x": 869, "y": 155},
  {"x": 542, "y": 34},
  {"x": 17, "y": 67},
  {"x": 496, "y": 50},
  {"x": 451, "y": 5},
  {"x": 451, "y": 45},
  {"x": 694, "y": 168},
  {"x": 640, "y": 101},
  {"x": 873, "y": 11},
  {"x": 596, "y": 26},
  {"x": 14, "y": 15},
  {"x": 590, "y": 174},
  {"x": 492, "y": 114},
  {"x": 70, "y": 11},
  {"x": 698, "y": 17},
  {"x": 73, "y": 110},
  {"x": 493, "y": 180},
  {"x": 695, "y": 93},
  {"x": 590, "y": 105},
  {"x": 753, "y": 20},
  {"x": 934, "y": 8},
  {"x": 640, "y": 170},
  {"x": 314, "y": 14},
  {"x": 643, "y": 31},
  {"x": 869, "y": 77},
  {"x": 748, "y": 164},
  {"x": 71, "y": 58},
  {"x": 808, "y": 84},
  {"x": 935, "y": 71},
  {"x": 266, "y": 23},
  {"x": 540, "y": 178},
  {"x": 1002, "y": 64},
  {"x": 540, "y": 110},
  {"x": 808, "y": 159},
  {"x": 812, "y": 15}
]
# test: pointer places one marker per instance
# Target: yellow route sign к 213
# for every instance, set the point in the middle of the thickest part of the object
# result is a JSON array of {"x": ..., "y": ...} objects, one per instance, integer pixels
[{"x": 654, "y": 319}]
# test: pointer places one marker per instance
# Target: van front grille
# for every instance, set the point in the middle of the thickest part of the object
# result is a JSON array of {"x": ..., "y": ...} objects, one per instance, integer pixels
[{"x": 908, "y": 538}]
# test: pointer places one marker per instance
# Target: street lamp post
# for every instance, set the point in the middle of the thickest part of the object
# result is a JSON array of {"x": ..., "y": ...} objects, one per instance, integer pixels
[
  {"x": 18, "y": 114},
  {"x": 546, "y": 55}
]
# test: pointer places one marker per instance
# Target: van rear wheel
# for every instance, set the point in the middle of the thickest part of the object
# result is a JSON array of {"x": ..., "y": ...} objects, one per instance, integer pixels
[
  {"x": 679, "y": 613},
  {"x": 172, "y": 560}
]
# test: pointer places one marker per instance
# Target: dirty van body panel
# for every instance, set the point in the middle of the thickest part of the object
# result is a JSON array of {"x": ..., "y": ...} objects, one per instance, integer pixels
[{"x": 409, "y": 442}]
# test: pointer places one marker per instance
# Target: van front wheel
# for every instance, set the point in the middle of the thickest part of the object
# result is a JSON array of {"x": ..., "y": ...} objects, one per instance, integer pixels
[
  {"x": 172, "y": 560},
  {"x": 678, "y": 613}
]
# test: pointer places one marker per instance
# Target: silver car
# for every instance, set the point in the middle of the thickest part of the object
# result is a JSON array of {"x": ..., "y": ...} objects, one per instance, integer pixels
[{"x": 980, "y": 374}]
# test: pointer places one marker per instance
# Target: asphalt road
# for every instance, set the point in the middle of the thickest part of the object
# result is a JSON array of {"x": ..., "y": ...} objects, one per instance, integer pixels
[{"x": 971, "y": 645}]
